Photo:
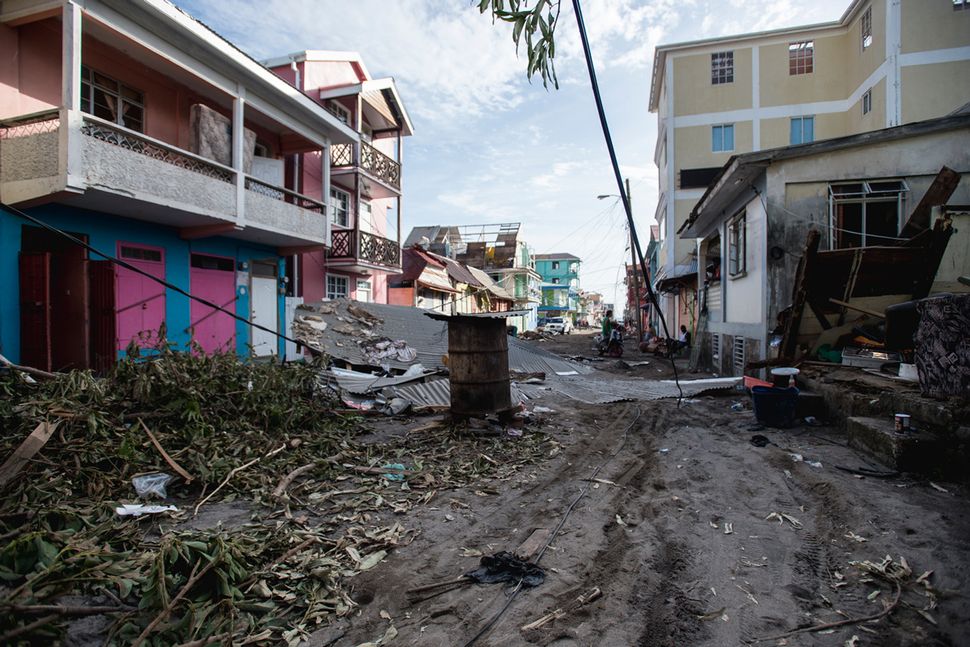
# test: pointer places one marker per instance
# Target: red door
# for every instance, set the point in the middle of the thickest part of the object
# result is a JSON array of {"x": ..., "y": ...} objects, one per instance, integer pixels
[
  {"x": 35, "y": 309},
  {"x": 139, "y": 300},
  {"x": 103, "y": 337},
  {"x": 213, "y": 278}
]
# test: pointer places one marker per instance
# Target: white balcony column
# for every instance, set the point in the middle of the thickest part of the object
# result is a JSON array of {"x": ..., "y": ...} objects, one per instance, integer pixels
[
  {"x": 400, "y": 182},
  {"x": 238, "y": 143},
  {"x": 325, "y": 187},
  {"x": 70, "y": 131}
]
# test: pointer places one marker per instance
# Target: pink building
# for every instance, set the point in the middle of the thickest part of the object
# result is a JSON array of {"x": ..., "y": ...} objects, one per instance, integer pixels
[{"x": 363, "y": 185}]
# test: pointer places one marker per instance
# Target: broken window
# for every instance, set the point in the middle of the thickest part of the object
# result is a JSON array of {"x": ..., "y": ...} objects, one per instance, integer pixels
[
  {"x": 722, "y": 68},
  {"x": 336, "y": 286},
  {"x": 801, "y": 57},
  {"x": 111, "y": 100},
  {"x": 866, "y": 23},
  {"x": 736, "y": 245},
  {"x": 864, "y": 214}
]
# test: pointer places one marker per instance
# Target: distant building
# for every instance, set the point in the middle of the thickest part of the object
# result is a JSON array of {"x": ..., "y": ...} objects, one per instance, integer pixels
[
  {"x": 882, "y": 64},
  {"x": 559, "y": 269},
  {"x": 499, "y": 251}
]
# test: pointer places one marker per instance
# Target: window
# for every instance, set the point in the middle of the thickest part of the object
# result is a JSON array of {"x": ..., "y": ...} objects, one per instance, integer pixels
[
  {"x": 336, "y": 286},
  {"x": 662, "y": 226},
  {"x": 867, "y": 28},
  {"x": 339, "y": 207},
  {"x": 367, "y": 218},
  {"x": 555, "y": 281},
  {"x": 722, "y": 138},
  {"x": 802, "y": 130},
  {"x": 867, "y": 102},
  {"x": 111, "y": 100},
  {"x": 363, "y": 291},
  {"x": 339, "y": 112},
  {"x": 141, "y": 254},
  {"x": 555, "y": 265},
  {"x": 960, "y": 4},
  {"x": 697, "y": 178},
  {"x": 722, "y": 68},
  {"x": 863, "y": 214},
  {"x": 715, "y": 346},
  {"x": 736, "y": 246},
  {"x": 801, "y": 57}
]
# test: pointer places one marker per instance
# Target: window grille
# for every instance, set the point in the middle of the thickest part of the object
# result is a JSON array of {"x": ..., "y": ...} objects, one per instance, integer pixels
[
  {"x": 722, "y": 68},
  {"x": 739, "y": 356},
  {"x": 715, "y": 346}
]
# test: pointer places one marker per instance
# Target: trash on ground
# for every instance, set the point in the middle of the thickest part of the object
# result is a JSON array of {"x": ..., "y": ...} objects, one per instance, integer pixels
[
  {"x": 782, "y": 518},
  {"x": 152, "y": 485},
  {"x": 506, "y": 567},
  {"x": 138, "y": 509}
]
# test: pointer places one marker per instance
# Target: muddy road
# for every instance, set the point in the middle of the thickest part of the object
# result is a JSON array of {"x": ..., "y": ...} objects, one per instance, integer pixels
[{"x": 694, "y": 535}]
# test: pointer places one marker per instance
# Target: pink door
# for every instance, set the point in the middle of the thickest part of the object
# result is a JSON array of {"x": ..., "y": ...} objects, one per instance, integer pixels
[
  {"x": 140, "y": 301},
  {"x": 213, "y": 278}
]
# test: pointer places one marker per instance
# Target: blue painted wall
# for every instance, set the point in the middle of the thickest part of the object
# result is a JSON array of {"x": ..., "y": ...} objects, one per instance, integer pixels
[{"x": 104, "y": 232}]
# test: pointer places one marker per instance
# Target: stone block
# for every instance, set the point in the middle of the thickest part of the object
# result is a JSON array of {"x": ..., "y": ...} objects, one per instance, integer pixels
[{"x": 914, "y": 451}]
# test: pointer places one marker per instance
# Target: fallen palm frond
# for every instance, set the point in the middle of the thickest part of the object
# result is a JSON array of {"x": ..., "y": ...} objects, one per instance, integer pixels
[{"x": 237, "y": 428}]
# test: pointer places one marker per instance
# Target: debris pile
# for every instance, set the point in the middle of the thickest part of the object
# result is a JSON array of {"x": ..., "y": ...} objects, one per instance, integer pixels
[{"x": 313, "y": 505}]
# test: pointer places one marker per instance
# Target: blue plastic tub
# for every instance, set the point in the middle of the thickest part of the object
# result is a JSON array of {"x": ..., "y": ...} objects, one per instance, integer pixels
[{"x": 774, "y": 407}]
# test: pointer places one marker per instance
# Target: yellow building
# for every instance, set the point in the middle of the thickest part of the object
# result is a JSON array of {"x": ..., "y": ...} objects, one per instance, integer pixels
[{"x": 883, "y": 63}]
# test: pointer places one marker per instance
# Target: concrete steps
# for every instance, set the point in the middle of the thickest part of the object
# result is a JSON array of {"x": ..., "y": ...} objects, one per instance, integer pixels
[{"x": 914, "y": 451}]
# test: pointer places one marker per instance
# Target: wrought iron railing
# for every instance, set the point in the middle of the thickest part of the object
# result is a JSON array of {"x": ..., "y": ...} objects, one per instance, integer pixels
[
  {"x": 380, "y": 165},
  {"x": 368, "y": 248},
  {"x": 37, "y": 123},
  {"x": 369, "y": 159},
  {"x": 143, "y": 145},
  {"x": 284, "y": 195}
]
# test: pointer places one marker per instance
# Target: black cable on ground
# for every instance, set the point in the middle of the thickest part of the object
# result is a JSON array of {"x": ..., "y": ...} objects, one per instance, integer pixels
[
  {"x": 622, "y": 189},
  {"x": 129, "y": 266},
  {"x": 552, "y": 536}
]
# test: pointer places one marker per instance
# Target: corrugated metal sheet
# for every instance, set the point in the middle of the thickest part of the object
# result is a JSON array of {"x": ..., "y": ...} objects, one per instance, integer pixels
[
  {"x": 429, "y": 338},
  {"x": 601, "y": 391},
  {"x": 440, "y": 316},
  {"x": 437, "y": 393},
  {"x": 358, "y": 383}
]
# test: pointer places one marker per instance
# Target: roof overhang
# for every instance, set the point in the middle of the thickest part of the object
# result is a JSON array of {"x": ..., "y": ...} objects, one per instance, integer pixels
[
  {"x": 735, "y": 179},
  {"x": 159, "y": 23},
  {"x": 376, "y": 92}
]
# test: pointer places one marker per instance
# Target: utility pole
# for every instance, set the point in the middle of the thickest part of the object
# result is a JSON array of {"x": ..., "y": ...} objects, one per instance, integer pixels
[{"x": 636, "y": 270}]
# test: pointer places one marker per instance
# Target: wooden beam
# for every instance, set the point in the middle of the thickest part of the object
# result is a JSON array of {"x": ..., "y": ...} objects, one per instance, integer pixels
[
  {"x": 204, "y": 231},
  {"x": 800, "y": 294},
  {"x": 943, "y": 186},
  {"x": 844, "y": 304}
]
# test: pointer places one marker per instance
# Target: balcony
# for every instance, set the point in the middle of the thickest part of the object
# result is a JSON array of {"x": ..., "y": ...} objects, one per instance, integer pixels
[
  {"x": 357, "y": 251},
  {"x": 383, "y": 173},
  {"x": 106, "y": 167}
]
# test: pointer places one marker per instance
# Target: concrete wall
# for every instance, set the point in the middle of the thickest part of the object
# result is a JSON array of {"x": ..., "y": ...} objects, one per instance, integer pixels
[
  {"x": 933, "y": 25},
  {"x": 826, "y": 83},
  {"x": 105, "y": 232},
  {"x": 742, "y": 293},
  {"x": 693, "y": 91},
  {"x": 947, "y": 83}
]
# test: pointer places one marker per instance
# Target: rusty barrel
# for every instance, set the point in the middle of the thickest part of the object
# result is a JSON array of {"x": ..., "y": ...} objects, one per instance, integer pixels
[{"x": 478, "y": 358}]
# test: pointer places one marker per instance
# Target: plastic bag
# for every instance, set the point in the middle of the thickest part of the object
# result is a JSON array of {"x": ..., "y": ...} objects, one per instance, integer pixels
[{"x": 149, "y": 485}]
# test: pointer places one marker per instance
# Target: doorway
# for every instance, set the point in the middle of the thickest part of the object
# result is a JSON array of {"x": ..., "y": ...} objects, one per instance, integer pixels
[
  {"x": 264, "y": 305},
  {"x": 54, "y": 301},
  {"x": 213, "y": 278}
]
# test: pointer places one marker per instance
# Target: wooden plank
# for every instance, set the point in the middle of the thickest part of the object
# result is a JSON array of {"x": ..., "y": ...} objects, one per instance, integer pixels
[
  {"x": 535, "y": 542},
  {"x": 31, "y": 445},
  {"x": 943, "y": 186},
  {"x": 800, "y": 294}
]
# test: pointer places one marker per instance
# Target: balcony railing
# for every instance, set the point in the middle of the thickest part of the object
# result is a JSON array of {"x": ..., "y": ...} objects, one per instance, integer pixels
[
  {"x": 149, "y": 147},
  {"x": 368, "y": 159},
  {"x": 284, "y": 195},
  {"x": 35, "y": 124},
  {"x": 364, "y": 247}
]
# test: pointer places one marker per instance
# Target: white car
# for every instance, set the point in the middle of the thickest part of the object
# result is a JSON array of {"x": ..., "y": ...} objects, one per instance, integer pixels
[{"x": 558, "y": 326}]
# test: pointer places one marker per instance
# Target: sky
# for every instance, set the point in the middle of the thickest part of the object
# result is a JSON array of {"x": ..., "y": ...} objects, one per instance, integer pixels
[{"x": 488, "y": 145}]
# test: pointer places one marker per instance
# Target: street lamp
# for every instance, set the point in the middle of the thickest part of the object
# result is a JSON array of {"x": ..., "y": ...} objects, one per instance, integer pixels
[{"x": 633, "y": 253}]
